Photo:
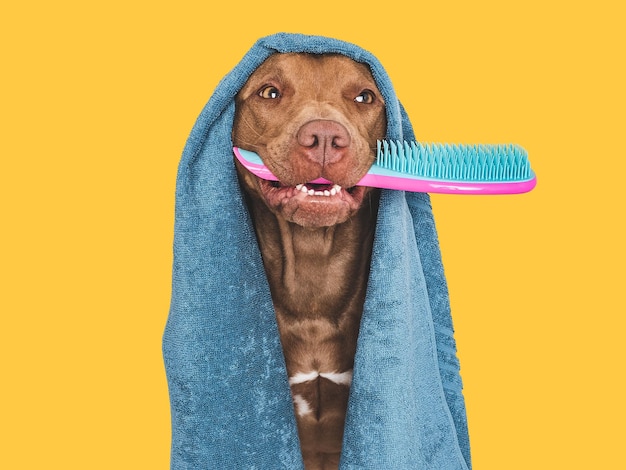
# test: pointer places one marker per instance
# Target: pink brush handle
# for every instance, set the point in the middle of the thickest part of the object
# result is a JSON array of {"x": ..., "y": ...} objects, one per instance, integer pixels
[{"x": 264, "y": 172}]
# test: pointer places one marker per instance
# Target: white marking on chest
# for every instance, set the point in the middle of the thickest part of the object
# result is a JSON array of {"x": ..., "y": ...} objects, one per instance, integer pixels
[
  {"x": 340, "y": 378},
  {"x": 302, "y": 377},
  {"x": 302, "y": 406}
]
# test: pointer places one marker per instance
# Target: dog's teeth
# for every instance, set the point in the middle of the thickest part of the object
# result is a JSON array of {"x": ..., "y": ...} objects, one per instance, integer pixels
[
  {"x": 319, "y": 193},
  {"x": 326, "y": 192},
  {"x": 299, "y": 186},
  {"x": 311, "y": 192},
  {"x": 304, "y": 189}
]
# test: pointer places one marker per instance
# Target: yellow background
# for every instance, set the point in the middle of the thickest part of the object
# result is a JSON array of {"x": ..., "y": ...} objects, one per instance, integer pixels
[{"x": 97, "y": 100}]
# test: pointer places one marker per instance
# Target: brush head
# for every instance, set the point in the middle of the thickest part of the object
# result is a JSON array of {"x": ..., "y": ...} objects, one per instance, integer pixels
[{"x": 452, "y": 168}]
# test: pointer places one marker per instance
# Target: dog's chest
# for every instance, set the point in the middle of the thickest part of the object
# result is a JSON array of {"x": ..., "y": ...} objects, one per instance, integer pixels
[
  {"x": 318, "y": 298},
  {"x": 319, "y": 355}
]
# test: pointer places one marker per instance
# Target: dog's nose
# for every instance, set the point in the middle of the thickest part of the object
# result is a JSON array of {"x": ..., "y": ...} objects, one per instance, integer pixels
[{"x": 324, "y": 141}]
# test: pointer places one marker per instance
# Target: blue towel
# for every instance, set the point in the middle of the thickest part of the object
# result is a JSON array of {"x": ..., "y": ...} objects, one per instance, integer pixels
[{"x": 230, "y": 399}]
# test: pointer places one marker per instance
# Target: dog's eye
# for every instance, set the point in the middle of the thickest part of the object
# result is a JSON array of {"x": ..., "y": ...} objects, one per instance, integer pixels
[
  {"x": 269, "y": 92},
  {"x": 365, "y": 97}
]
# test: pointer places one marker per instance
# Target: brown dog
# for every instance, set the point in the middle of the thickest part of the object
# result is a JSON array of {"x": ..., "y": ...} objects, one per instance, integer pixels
[{"x": 312, "y": 116}]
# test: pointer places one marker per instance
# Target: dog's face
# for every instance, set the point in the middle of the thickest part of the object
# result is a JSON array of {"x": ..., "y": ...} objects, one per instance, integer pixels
[{"x": 308, "y": 117}]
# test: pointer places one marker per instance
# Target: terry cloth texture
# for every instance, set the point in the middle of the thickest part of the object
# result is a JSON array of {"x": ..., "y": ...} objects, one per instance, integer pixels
[{"x": 230, "y": 400}]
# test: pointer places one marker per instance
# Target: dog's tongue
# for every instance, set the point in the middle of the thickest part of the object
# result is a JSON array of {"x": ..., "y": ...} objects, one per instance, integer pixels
[{"x": 322, "y": 181}]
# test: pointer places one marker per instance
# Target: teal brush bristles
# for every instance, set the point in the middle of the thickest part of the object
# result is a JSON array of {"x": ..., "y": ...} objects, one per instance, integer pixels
[
  {"x": 452, "y": 168},
  {"x": 457, "y": 162}
]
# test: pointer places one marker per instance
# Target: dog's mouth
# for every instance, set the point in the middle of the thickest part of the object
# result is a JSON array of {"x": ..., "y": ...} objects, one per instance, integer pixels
[
  {"x": 307, "y": 190},
  {"x": 313, "y": 204},
  {"x": 315, "y": 189}
]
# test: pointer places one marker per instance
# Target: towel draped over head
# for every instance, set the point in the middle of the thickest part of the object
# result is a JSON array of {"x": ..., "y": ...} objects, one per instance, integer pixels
[{"x": 230, "y": 398}]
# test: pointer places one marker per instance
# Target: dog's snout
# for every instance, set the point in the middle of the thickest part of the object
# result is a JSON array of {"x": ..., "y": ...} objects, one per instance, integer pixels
[{"x": 323, "y": 141}]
